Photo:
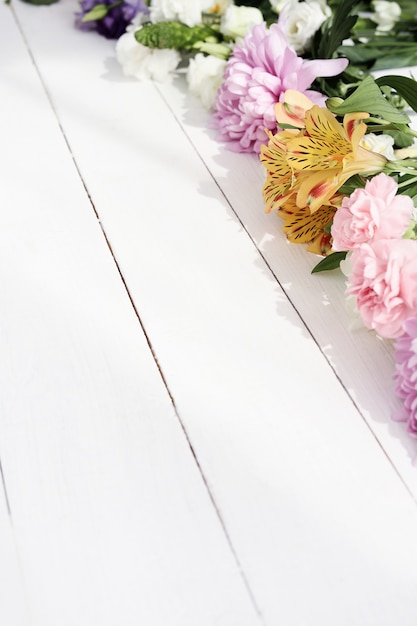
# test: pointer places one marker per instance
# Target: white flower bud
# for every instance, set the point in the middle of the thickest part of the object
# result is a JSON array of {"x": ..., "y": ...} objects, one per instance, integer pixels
[
  {"x": 238, "y": 20},
  {"x": 386, "y": 14}
]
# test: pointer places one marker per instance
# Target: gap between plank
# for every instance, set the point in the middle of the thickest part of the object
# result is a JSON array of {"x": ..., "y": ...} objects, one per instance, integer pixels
[
  {"x": 6, "y": 496},
  {"x": 264, "y": 259},
  {"x": 151, "y": 348}
]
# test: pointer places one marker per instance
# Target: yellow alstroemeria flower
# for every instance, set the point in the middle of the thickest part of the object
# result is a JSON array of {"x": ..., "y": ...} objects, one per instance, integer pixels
[
  {"x": 302, "y": 226},
  {"x": 292, "y": 111},
  {"x": 281, "y": 178},
  {"x": 329, "y": 154},
  {"x": 314, "y": 161}
]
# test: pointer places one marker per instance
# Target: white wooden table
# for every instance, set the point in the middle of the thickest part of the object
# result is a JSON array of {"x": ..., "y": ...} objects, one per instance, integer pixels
[{"x": 190, "y": 433}]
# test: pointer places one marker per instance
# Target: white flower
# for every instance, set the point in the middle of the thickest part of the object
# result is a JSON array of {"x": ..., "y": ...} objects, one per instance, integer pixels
[
  {"x": 301, "y": 20},
  {"x": 186, "y": 11},
  {"x": 386, "y": 14},
  {"x": 278, "y": 5},
  {"x": 137, "y": 22},
  {"x": 204, "y": 77},
  {"x": 142, "y": 62},
  {"x": 381, "y": 144},
  {"x": 238, "y": 20},
  {"x": 220, "y": 7}
]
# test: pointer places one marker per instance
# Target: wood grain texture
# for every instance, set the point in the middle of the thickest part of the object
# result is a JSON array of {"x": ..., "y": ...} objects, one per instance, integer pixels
[
  {"x": 321, "y": 523},
  {"x": 112, "y": 520},
  {"x": 363, "y": 362},
  {"x": 13, "y": 597}
]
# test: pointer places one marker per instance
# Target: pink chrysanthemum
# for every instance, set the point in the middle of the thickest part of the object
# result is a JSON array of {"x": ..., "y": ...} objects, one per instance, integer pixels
[
  {"x": 256, "y": 77},
  {"x": 406, "y": 375}
]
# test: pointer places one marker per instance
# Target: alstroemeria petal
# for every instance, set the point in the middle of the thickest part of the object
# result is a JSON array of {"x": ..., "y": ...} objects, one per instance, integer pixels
[{"x": 302, "y": 226}]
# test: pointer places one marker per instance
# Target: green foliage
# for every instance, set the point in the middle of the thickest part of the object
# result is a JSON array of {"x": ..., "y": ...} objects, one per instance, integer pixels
[
  {"x": 37, "y": 2},
  {"x": 331, "y": 262},
  {"x": 98, "y": 12},
  {"x": 335, "y": 30},
  {"x": 409, "y": 189},
  {"x": 354, "y": 182},
  {"x": 404, "y": 87},
  {"x": 369, "y": 98},
  {"x": 175, "y": 35}
]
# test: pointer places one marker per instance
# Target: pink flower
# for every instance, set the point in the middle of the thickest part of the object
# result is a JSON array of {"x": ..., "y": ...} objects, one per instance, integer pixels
[
  {"x": 384, "y": 282},
  {"x": 371, "y": 213},
  {"x": 257, "y": 74},
  {"x": 406, "y": 375}
]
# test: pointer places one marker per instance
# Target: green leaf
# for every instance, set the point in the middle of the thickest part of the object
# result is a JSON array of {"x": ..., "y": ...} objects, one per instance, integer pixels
[
  {"x": 401, "y": 139},
  {"x": 368, "y": 98},
  {"x": 358, "y": 54},
  {"x": 330, "y": 262},
  {"x": 405, "y": 87},
  {"x": 354, "y": 182},
  {"x": 408, "y": 185},
  {"x": 405, "y": 58},
  {"x": 97, "y": 13},
  {"x": 36, "y": 2},
  {"x": 335, "y": 30}
]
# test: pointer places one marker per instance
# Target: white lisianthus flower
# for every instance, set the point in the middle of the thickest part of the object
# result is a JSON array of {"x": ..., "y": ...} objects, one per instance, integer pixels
[
  {"x": 220, "y": 7},
  {"x": 204, "y": 77},
  {"x": 301, "y": 20},
  {"x": 142, "y": 62},
  {"x": 238, "y": 20},
  {"x": 186, "y": 11},
  {"x": 381, "y": 144},
  {"x": 278, "y": 5},
  {"x": 386, "y": 14}
]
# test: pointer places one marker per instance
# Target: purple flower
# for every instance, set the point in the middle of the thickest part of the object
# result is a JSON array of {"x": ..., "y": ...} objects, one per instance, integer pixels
[
  {"x": 257, "y": 74},
  {"x": 114, "y": 23},
  {"x": 406, "y": 375}
]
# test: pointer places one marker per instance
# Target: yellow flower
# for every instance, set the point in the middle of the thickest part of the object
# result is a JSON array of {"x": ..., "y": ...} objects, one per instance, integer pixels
[
  {"x": 292, "y": 111},
  {"x": 330, "y": 153},
  {"x": 281, "y": 179},
  {"x": 307, "y": 164},
  {"x": 315, "y": 161},
  {"x": 302, "y": 226}
]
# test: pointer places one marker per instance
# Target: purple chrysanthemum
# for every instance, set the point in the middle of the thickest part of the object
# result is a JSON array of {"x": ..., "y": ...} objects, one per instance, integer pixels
[
  {"x": 257, "y": 74},
  {"x": 114, "y": 24},
  {"x": 406, "y": 375}
]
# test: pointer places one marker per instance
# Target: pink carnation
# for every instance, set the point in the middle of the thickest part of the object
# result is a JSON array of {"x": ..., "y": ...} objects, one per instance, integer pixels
[
  {"x": 257, "y": 74},
  {"x": 406, "y": 375},
  {"x": 370, "y": 213},
  {"x": 384, "y": 281}
]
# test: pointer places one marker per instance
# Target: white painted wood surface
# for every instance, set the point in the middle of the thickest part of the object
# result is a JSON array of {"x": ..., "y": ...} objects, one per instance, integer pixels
[{"x": 190, "y": 434}]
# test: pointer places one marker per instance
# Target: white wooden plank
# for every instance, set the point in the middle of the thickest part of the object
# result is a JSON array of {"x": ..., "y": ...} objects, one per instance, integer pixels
[
  {"x": 319, "y": 518},
  {"x": 363, "y": 361},
  {"x": 13, "y": 599},
  {"x": 112, "y": 520}
]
